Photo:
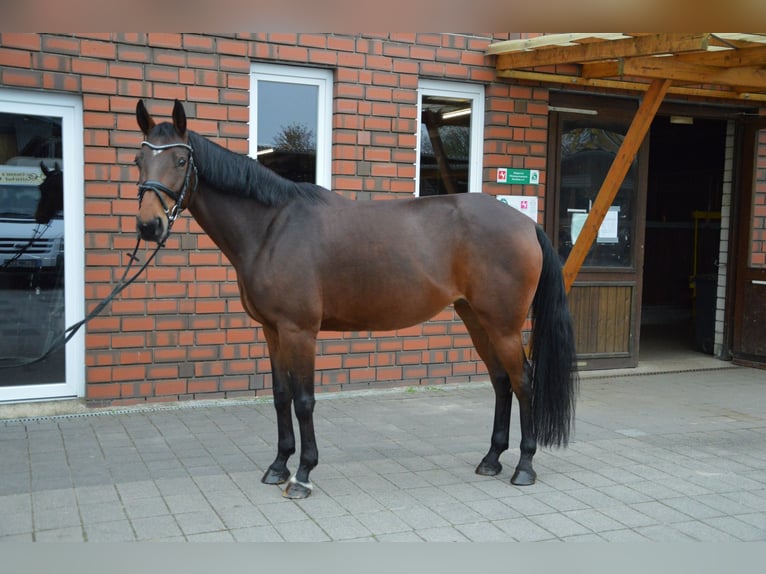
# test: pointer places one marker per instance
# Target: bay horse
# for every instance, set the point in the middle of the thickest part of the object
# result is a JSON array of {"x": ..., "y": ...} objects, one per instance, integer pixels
[{"x": 308, "y": 259}]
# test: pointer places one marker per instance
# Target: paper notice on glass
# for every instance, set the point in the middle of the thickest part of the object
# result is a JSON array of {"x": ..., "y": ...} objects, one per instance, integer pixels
[
  {"x": 578, "y": 220},
  {"x": 607, "y": 233}
]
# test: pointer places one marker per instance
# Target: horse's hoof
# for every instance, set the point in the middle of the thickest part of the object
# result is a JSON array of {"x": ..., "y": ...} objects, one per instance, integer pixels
[
  {"x": 524, "y": 477},
  {"x": 275, "y": 477},
  {"x": 297, "y": 490},
  {"x": 489, "y": 469}
]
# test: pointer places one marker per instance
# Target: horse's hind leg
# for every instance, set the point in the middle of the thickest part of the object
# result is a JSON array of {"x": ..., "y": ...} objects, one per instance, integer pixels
[
  {"x": 510, "y": 373},
  {"x": 490, "y": 464}
]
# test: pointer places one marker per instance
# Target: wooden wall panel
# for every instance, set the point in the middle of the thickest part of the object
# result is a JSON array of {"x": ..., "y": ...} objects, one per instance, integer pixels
[{"x": 602, "y": 318}]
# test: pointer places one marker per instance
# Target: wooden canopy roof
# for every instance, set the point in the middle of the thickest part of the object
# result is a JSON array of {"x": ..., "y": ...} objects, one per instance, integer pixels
[
  {"x": 711, "y": 65},
  {"x": 730, "y": 66}
]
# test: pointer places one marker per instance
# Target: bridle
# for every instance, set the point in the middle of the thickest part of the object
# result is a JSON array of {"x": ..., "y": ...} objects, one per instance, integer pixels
[{"x": 173, "y": 212}]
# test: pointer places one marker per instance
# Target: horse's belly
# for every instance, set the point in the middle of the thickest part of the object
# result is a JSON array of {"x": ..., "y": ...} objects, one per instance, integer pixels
[{"x": 387, "y": 314}]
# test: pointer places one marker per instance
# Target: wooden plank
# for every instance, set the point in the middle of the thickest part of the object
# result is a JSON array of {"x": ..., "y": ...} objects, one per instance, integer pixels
[
  {"x": 635, "y": 86},
  {"x": 755, "y": 56},
  {"x": 548, "y": 41},
  {"x": 614, "y": 177},
  {"x": 752, "y": 78},
  {"x": 604, "y": 50}
]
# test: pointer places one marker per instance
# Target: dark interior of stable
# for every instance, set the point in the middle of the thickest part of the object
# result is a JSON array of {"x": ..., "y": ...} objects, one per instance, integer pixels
[{"x": 684, "y": 192}]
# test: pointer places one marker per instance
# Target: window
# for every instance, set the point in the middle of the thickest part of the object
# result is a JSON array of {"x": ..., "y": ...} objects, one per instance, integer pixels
[
  {"x": 450, "y": 137},
  {"x": 291, "y": 120},
  {"x": 41, "y": 245},
  {"x": 587, "y": 149}
]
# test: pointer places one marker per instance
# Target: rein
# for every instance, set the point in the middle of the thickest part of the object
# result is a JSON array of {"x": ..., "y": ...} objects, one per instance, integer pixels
[{"x": 70, "y": 331}]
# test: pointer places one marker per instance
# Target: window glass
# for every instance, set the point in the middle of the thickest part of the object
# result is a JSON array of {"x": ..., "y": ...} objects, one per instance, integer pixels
[
  {"x": 290, "y": 121},
  {"x": 31, "y": 249},
  {"x": 445, "y": 145},
  {"x": 587, "y": 151},
  {"x": 450, "y": 138}
]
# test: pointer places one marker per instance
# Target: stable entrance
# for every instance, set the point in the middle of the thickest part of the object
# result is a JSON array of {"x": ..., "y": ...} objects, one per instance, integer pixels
[
  {"x": 652, "y": 270},
  {"x": 683, "y": 232}
]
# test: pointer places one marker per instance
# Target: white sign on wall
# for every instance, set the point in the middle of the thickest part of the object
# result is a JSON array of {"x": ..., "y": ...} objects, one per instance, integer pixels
[{"x": 526, "y": 204}]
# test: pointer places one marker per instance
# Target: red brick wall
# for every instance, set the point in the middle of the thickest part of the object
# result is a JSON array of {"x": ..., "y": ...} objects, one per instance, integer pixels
[
  {"x": 180, "y": 331},
  {"x": 758, "y": 226}
]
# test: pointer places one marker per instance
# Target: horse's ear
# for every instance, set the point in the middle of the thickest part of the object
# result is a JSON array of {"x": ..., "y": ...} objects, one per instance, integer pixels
[
  {"x": 45, "y": 170},
  {"x": 145, "y": 121},
  {"x": 179, "y": 118}
]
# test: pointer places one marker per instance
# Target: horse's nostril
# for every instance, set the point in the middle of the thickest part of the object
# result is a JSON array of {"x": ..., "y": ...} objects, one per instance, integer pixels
[{"x": 149, "y": 230}]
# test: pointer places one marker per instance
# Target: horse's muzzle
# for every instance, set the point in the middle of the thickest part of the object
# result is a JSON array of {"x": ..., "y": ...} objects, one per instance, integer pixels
[{"x": 151, "y": 230}]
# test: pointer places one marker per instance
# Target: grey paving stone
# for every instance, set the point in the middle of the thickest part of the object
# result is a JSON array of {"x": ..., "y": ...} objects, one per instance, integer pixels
[
  {"x": 344, "y": 527},
  {"x": 483, "y": 532},
  {"x": 383, "y": 522},
  {"x": 524, "y": 530},
  {"x": 156, "y": 528},
  {"x": 116, "y": 531},
  {"x": 559, "y": 524},
  {"x": 257, "y": 534},
  {"x": 301, "y": 531},
  {"x": 442, "y": 534}
]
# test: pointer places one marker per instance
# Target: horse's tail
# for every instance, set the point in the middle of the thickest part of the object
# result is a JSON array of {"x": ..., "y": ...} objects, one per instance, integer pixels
[{"x": 554, "y": 380}]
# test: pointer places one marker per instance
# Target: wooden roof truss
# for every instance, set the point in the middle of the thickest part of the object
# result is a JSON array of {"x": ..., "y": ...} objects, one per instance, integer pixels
[{"x": 710, "y": 65}]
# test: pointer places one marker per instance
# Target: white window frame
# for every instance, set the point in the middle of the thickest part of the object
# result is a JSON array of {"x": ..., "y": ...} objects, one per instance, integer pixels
[
  {"x": 306, "y": 76},
  {"x": 473, "y": 92},
  {"x": 69, "y": 109}
]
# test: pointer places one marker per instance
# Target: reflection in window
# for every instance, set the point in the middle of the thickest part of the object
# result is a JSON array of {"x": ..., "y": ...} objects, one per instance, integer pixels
[
  {"x": 445, "y": 145},
  {"x": 287, "y": 119},
  {"x": 31, "y": 249},
  {"x": 450, "y": 138},
  {"x": 290, "y": 123},
  {"x": 587, "y": 153}
]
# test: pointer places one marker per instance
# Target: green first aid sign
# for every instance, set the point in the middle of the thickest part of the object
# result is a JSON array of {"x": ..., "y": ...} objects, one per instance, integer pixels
[{"x": 518, "y": 176}]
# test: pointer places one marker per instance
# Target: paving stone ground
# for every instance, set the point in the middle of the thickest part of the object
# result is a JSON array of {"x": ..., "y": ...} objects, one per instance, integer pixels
[{"x": 658, "y": 457}]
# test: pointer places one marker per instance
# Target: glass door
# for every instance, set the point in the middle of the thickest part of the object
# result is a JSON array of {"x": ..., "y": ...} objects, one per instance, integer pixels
[
  {"x": 40, "y": 238},
  {"x": 604, "y": 299}
]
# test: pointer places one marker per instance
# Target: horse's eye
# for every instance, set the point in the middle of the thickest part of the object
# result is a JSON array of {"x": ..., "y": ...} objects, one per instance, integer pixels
[
  {"x": 182, "y": 162},
  {"x": 137, "y": 161}
]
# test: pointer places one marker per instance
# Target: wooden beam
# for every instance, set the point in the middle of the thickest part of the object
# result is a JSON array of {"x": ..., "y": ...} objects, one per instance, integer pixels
[
  {"x": 604, "y": 50},
  {"x": 748, "y": 78},
  {"x": 628, "y": 85},
  {"x": 549, "y": 40},
  {"x": 755, "y": 56},
  {"x": 614, "y": 178}
]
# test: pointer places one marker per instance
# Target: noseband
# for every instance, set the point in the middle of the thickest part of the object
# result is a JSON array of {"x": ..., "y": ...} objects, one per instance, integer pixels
[{"x": 173, "y": 212}]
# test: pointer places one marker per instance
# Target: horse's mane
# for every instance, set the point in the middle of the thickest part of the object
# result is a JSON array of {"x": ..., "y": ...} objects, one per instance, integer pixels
[{"x": 238, "y": 174}]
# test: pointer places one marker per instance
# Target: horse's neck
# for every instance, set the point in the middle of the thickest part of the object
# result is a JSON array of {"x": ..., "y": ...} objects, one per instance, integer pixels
[{"x": 225, "y": 221}]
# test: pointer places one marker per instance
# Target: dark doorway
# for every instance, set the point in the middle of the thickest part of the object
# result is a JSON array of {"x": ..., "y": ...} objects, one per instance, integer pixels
[{"x": 685, "y": 184}]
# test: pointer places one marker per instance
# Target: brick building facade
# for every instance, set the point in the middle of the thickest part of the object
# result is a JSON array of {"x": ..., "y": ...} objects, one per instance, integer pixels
[{"x": 180, "y": 331}]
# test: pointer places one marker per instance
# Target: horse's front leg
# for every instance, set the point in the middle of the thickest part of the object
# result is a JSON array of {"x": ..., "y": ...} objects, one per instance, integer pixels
[
  {"x": 278, "y": 473},
  {"x": 293, "y": 362}
]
